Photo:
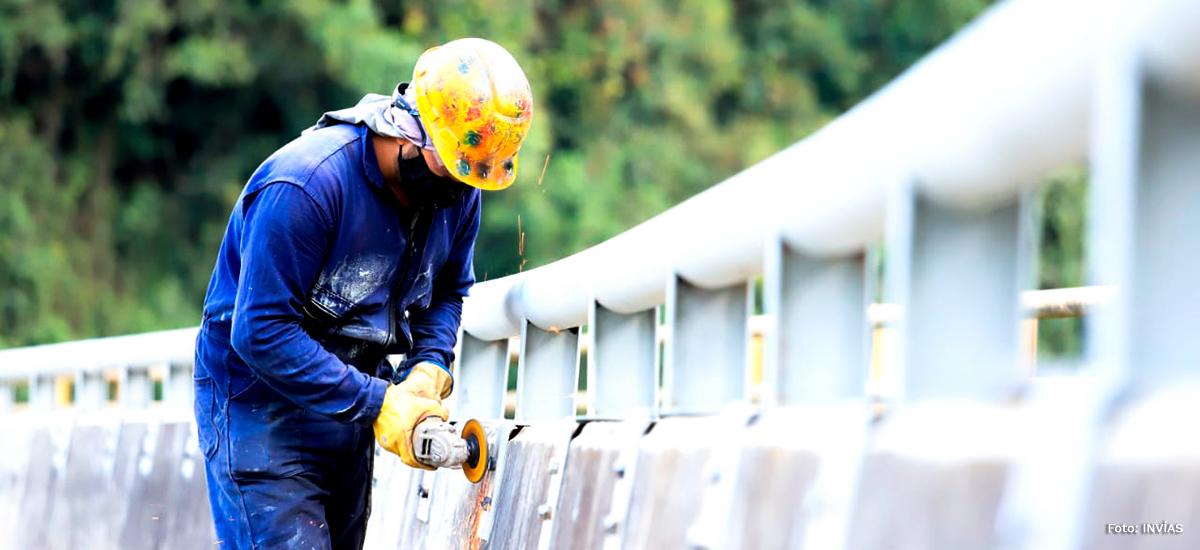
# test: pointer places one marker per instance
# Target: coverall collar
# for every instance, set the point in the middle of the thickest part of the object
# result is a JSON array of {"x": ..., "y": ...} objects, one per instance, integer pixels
[{"x": 370, "y": 160}]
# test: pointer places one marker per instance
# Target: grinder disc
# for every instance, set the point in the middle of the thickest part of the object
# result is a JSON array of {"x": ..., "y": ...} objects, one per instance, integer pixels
[{"x": 477, "y": 459}]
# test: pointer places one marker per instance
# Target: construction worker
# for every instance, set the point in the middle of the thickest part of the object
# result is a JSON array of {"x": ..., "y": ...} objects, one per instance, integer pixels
[{"x": 350, "y": 243}]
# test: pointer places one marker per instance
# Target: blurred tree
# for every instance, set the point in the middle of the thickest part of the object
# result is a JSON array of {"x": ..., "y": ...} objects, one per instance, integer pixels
[
  {"x": 1062, "y": 208},
  {"x": 128, "y": 127}
]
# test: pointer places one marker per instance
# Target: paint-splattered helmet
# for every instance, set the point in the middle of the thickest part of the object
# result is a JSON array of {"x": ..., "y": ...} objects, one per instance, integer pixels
[{"x": 476, "y": 102}]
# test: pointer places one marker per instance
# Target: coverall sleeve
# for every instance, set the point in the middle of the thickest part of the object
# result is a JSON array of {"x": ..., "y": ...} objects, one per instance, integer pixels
[
  {"x": 284, "y": 242},
  {"x": 435, "y": 329}
]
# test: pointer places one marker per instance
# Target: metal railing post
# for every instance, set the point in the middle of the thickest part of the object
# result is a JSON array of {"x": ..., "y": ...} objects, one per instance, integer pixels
[
  {"x": 481, "y": 378},
  {"x": 8, "y": 396},
  {"x": 91, "y": 390},
  {"x": 136, "y": 389},
  {"x": 622, "y": 361},
  {"x": 547, "y": 373},
  {"x": 816, "y": 340},
  {"x": 954, "y": 272},
  {"x": 1111, "y": 196},
  {"x": 41, "y": 392},
  {"x": 704, "y": 365},
  {"x": 177, "y": 385},
  {"x": 1147, "y": 199}
]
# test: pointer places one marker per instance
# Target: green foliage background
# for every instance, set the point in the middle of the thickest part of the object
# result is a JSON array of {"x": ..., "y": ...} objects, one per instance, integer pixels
[{"x": 128, "y": 127}]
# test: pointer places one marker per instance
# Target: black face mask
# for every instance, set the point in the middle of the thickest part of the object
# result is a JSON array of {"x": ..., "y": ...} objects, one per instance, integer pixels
[{"x": 423, "y": 188}]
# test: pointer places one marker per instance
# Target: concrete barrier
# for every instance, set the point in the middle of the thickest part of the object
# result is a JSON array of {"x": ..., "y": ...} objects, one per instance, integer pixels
[
  {"x": 126, "y": 462},
  {"x": 1146, "y": 488},
  {"x": 583, "y": 514},
  {"x": 530, "y": 474},
  {"x": 378, "y": 536},
  {"x": 933, "y": 477},
  {"x": 14, "y": 465},
  {"x": 408, "y": 502},
  {"x": 804, "y": 462},
  {"x": 669, "y": 483},
  {"x": 929, "y": 476},
  {"x": 43, "y": 481},
  {"x": 188, "y": 520},
  {"x": 84, "y": 499},
  {"x": 103, "y": 482},
  {"x": 167, "y": 506}
]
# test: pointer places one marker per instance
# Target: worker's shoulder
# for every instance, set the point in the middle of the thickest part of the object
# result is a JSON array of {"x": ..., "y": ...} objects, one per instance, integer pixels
[{"x": 313, "y": 156}]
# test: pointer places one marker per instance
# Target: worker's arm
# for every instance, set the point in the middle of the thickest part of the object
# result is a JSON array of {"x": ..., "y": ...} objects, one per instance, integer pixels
[
  {"x": 285, "y": 236},
  {"x": 435, "y": 329}
]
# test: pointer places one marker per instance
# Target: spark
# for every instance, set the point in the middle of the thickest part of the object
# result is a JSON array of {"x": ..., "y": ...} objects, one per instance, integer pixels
[
  {"x": 520, "y": 244},
  {"x": 544, "y": 165},
  {"x": 520, "y": 238}
]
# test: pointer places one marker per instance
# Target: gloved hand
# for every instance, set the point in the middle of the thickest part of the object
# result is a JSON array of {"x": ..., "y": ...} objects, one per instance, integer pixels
[{"x": 409, "y": 403}]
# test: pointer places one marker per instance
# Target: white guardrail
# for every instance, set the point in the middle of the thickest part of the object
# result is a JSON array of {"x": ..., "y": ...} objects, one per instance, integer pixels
[
  {"x": 933, "y": 165},
  {"x": 133, "y": 362}
]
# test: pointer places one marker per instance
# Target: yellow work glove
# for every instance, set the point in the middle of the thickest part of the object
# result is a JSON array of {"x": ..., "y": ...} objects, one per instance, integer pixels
[{"x": 409, "y": 403}]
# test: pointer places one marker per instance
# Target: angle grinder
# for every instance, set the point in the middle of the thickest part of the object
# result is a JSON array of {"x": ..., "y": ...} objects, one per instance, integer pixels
[{"x": 436, "y": 443}]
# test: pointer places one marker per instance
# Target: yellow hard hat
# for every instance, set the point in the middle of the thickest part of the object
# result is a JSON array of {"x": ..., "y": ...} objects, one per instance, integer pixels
[{"x": 476, "y": 102}]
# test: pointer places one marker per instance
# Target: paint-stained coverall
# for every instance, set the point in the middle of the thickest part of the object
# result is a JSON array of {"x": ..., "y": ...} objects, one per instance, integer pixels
[{"x": 320, "y": 275}]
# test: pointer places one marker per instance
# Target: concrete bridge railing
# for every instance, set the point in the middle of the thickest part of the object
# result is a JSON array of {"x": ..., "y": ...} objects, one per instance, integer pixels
[{"x": 685, "y": 441}]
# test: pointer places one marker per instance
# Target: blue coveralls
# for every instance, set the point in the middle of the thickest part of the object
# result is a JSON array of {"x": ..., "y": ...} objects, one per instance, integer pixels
[{"x": 321, "y": 274}]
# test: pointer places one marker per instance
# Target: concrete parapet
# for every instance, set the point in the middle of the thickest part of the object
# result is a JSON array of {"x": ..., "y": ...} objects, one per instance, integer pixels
[
  {"x": 167, "y": 505},
  {"x": 668, "y": 484},
  {"x": 44, "y": 479},
  {"x": 189, "y": 518},
  {"x": 17, "y": 436},
  {"x": 585, "y": 504},
  {"x": 530, "y": 470},
  {"x": 101, "y": 482},
  {"x": 85, "y": 499},
  {"x": 1146, "y": 486},
  {"x": 407, "y": 501},
  {"x": 794, "y": 481},
  {"x": 933, "y": 477},
  {"x": 383, "y": 468}
]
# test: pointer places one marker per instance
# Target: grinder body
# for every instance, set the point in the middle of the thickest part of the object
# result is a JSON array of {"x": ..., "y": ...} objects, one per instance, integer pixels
[{"x": 437, "y": 443}]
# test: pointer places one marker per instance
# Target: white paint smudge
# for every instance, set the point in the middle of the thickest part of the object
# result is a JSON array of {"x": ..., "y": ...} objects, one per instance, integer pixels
[{"x": 354, "y": 279}]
